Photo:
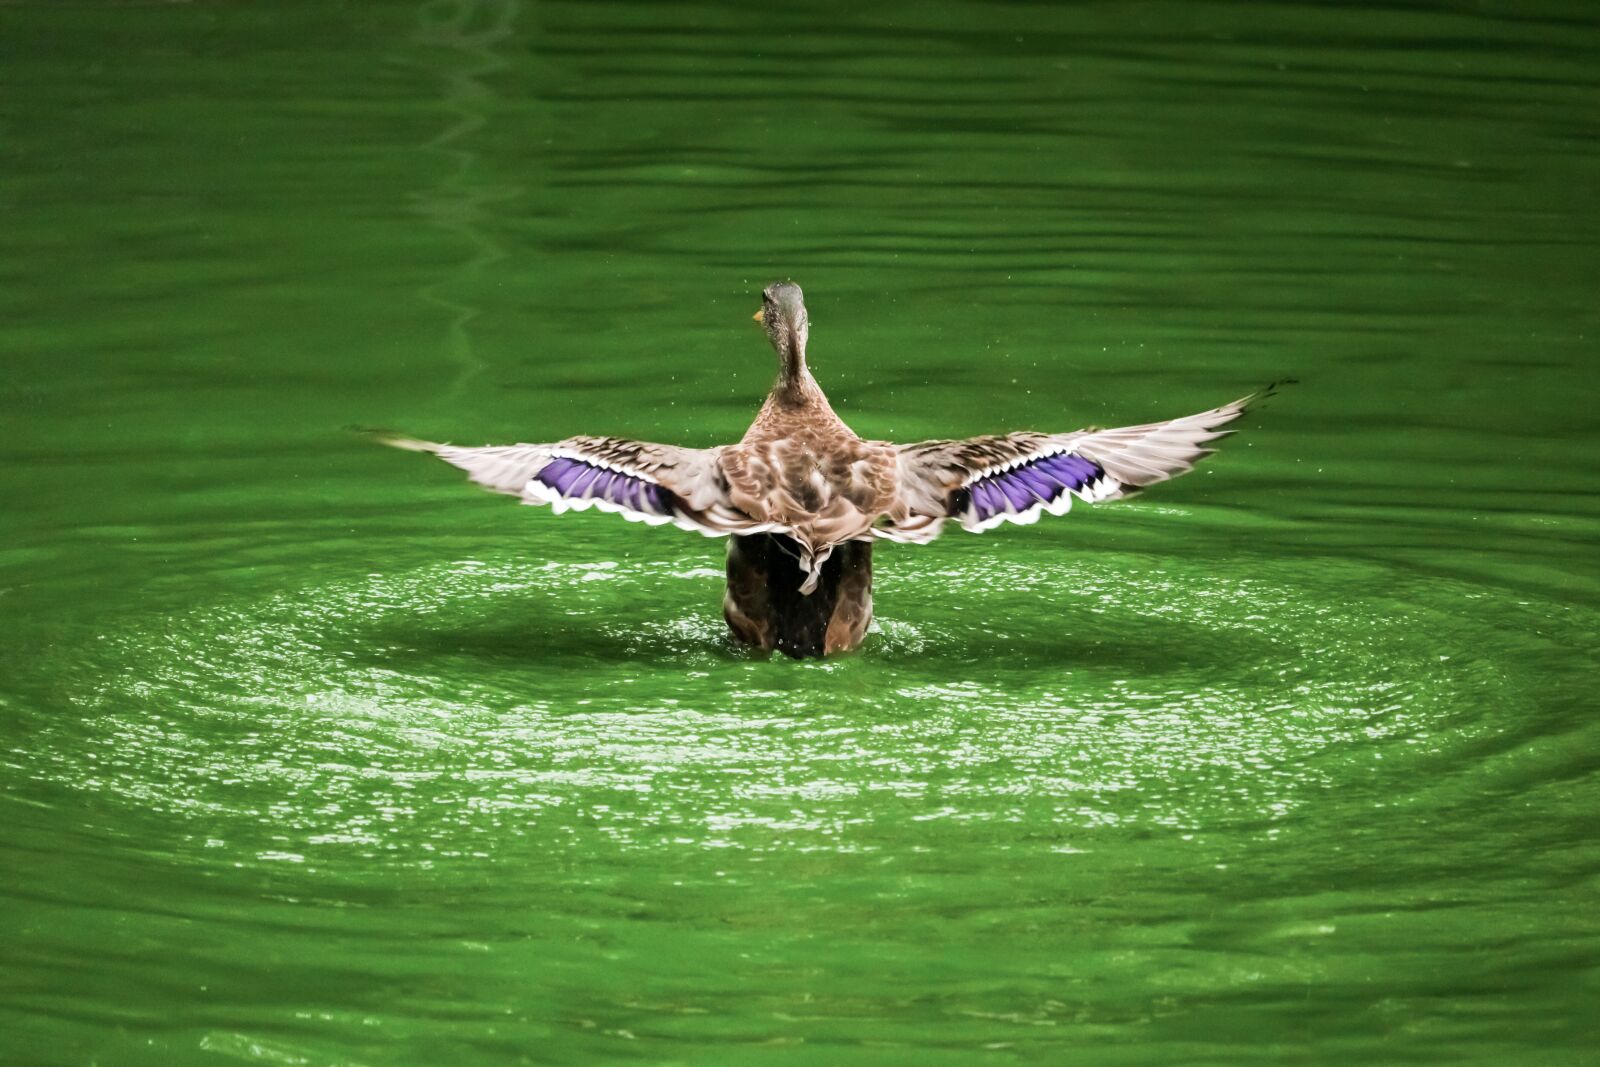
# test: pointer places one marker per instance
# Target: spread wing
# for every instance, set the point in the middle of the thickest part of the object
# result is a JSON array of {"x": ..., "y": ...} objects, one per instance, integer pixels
[
  {"x": 984, "y": 481},
  {"x": 642, "y": 482}
]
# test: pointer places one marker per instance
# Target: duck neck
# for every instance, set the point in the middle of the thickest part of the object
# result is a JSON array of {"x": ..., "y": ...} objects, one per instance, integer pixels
[{"x": 794, "y": 379}]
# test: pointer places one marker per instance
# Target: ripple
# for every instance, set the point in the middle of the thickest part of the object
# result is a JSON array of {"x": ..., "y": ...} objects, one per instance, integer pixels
[{"x": 438, "y": 710}]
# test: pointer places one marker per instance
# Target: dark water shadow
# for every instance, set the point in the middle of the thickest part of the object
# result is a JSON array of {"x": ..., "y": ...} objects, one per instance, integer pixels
[
  {"x": 1139, "y": 646},
  {"x": 557, "y": 642}
]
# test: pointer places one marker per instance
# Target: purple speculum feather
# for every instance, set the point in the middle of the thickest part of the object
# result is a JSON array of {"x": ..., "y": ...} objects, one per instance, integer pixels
[
  {"x": 578, "y": 480},
  {"x": 1039, "y": 481},
  {"x": 559, "y": 474},
  {"x": 987, "y": 499},
  {"x": 1075, "y": 471},
  {"x": 1040, "y": 485},
  {"x": 601, "y": 487},
  {"x": 637, "y": 494},
  {"x": 624, "y": 490},
  {"x": 1016, "y": 490}
]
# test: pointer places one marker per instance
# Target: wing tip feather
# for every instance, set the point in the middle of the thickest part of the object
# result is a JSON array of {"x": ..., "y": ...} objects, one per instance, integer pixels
[
  {"x": 392, "y": 439},
  {"x": 1266, "y": 392}
]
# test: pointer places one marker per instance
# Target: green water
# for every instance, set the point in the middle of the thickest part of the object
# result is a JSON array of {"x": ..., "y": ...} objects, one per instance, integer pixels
[{"x": 310, "y": 754}]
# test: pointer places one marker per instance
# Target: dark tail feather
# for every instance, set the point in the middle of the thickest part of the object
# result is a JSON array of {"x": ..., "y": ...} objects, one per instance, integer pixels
[{"x": 765, "y": 607}]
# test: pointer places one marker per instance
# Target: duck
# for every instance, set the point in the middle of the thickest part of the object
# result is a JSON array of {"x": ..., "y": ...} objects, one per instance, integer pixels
[{"x": 801, "y": 498}]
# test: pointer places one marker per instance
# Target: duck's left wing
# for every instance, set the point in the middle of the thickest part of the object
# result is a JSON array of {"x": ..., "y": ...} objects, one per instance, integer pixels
[
  {"x": 984, "y": 481},
  {"x": 641, "y": 481}
]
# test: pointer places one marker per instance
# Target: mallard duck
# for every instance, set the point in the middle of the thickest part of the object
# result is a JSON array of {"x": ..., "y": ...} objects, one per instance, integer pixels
[{"x": 801, "y": 498}]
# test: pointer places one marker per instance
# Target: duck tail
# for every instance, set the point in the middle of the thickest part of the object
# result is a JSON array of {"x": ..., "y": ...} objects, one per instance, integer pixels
[{"x": 774, "y": 602}]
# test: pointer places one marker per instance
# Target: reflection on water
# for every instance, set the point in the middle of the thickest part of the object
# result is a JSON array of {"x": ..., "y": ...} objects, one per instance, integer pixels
[{"x": 469, "y": 31}]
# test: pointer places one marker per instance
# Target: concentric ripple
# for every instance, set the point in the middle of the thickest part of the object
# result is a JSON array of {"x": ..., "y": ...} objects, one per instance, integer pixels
[{"x": 447, "y": 706}]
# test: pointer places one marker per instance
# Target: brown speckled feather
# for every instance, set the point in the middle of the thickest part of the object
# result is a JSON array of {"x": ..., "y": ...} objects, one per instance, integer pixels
[{"x": 800, "y": 469}]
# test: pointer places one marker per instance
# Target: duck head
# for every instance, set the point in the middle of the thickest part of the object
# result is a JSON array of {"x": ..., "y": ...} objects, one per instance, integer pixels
[{"x": 783, "y": 313}]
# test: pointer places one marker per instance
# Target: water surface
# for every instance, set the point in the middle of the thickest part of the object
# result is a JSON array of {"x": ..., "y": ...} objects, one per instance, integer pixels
[{"x": 313, "y": 755}]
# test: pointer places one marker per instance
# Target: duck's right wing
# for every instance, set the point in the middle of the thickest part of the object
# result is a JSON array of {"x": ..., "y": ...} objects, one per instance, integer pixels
[
  {"x": 642, "y": 482},
  {"x": 982, "y": 482}
]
